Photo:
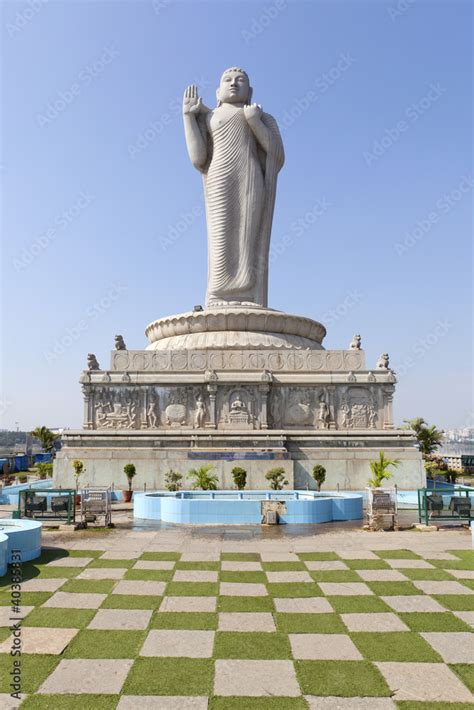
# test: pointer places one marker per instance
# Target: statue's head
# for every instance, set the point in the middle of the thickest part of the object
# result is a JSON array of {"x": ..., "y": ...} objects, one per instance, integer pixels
[{"x": 234, "y": 87}]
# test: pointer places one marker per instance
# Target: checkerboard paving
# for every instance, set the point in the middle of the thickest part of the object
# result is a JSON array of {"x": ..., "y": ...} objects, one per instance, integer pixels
[{"x": 195, "y": 631}]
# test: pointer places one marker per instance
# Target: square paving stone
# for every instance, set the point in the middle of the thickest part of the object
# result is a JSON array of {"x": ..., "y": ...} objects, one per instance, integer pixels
[
  {"x": 341, "y": 589},
  {"x": 35, "y": 639},
  {"x": 283, "y": 577},
  {"x": 462, "y": 573},
  {"x": 335, "y": 703},
  {"x": 102, "y": 573},
  {"x": 9, "y": 703},
  {"x": 246, "y": 621},
  {"x": 234, "y": 589},
  {"x": 303, "y": 605},
  {"x": 176, "y": 604},
  {"x": 467, "y": 616},
  {"x": 70, "y": 562},
  {"x": 453, "y": 647},
  {"x": 48, "y": 584},
  {"x": 324, "y": 647},
  {"x": 430, "y": 587},
  {"x": 279, "y": 557},
  {"x": 430, "y": 555},
  {"x": 120, "y": 555},
  {"x": 120, "y": 619},
  {"x": 255, "y": 678},
  {"x": 195, "y": 575},
  {"x": 87, "y": 676},
  {"x": 374, "y": 622},
  {"x": 6, "y": 614},
  {"x": 381, "y": 575},
  {"x": 241, "y": 566},
  {"x": 412, "y": 603},
  {"x": 178, "y": 643},
  {"x": 357, "y": 555},
  {"x": 163, "y": 702},
  {"x": 154, "y": 564},
  {"x": 140, "y": 587},
  {"x": 75, "y": 600},
  {"x": 325, "y": 565},
  {"x": 409, "y": 564},
  {"x": 433, "y": 682}
]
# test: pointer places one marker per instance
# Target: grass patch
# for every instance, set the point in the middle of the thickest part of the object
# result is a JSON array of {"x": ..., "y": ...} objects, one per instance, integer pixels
[
  {"x": 427, "y": 621},
  {"x": 241, "y": 556},
  {"x": 341, "y": 678},
  {"x": 293, "y": 589},
  {"x": 192, "y": 589},
  {"x": 466, "y": 672},
  {"x": 397, "y": 555},
  {"x": 129, "y": 601},
  {"x": 70, "y": 702},
  {"x": 170, "y": 676},
  {"x": 390, "y": 589},
  {"x": 465, "y": 563},
  {"x": 60, "y": 618},
  {"x": 89, "y": 586},
  {"x": 438, "y": 575},
  {"x": 403, "y": 646},
  {"x": 84, "y": 553},
  {"x": 200, "y": 620},
  {"x": 91, "y": 643},
  {"x": 245, "y": 604},
  {"x": 156, "y": 575},
  {"x": 318, "y": 556},
  {"x": 463, "y": 554},
  {"x": 337, "y": 575},
  {"x": 112, "y": 564},
  {"x": 367, "y": 564},
  {"x": 160, "y": 556},
  {"x": 456, "y": 602},
  {"x": 358, "y": 605},
  {"x": 27, "y": 598},
  {"x": 35, "y": 668},
  {"x": 251, "y": 645},
  {"x": 310, "y": 624},
  {"x": 283, "y": 566},
  {"x": 243, "y": 577},
  {"x": 241, "y": 703},
  {"x": 4, "y": 633},
  {"x": 50, "y": 572},
  {"x": 205, "y": 566},
  {"x": 467, "y": 583}
]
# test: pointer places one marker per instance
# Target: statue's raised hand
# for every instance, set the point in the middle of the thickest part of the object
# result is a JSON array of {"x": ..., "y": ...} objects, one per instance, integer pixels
[
  {"x": 253, "y": 112},
  {"x": 192, "y": 103}
]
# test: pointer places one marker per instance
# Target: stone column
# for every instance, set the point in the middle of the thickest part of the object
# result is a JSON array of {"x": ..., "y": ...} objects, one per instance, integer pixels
[
  {"x": 145, "y": 399},
  {"x": 212, "y": 391},
  {"x": 332, "y": 407},
  {"x": 387, "y": 407},
  {"x": 264, "y": 390},
  {"x": 88, "y": 407}
]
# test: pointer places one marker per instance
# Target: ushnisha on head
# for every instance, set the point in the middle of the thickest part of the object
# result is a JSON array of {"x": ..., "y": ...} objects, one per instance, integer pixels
[{"x": 234, "y": 87}]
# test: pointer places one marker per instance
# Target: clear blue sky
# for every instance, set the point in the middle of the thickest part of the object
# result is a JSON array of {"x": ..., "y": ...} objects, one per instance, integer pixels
[{"x": 374, "y": 201}]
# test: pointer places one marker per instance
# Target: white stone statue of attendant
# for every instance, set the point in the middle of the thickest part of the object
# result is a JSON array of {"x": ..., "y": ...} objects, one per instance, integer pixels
[{"x": 238, "y": 149}]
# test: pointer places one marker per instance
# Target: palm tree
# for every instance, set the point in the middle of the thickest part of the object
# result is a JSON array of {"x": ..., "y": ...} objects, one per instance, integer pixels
[
  {"x": 202, "y": 479},
  {"x": 429, "y": 437},
  {"x": 46, "y": 438},
  {"x": 380, "y": 470}
]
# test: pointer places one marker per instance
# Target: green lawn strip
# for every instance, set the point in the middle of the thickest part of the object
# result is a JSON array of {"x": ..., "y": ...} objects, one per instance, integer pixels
[
  {"x": 60, "y": 618},
  {"x": 341, "y": 678},
  {"x": 405, "y": 646},
  {"x": 463, "y": 554},
  {"x": 283, "y": 566},
  {"x": 242, "y": 703},
  {"x": 390, "y": 589},
  {"x": 397, "y": 555},
  {"x": 245, "y": 604},
  {"x": 160, "y": 556},
  {"x": 464, "y": 563},
  {"x": 427, "y": 621},
  {"x": 243, "y": 577},
  {"x": 251, "y": 645},
  {"x": 4, "y": 633},
  {"x": 70, "y": 702},
  {"x": 192, "y": 589},
  {"x": 293, "y": 589},
  {"x": 241, "y": 556},
  {"x": 465, "y": 671},
  {"x": 111, "y": 564},
  {"x": 156, "y": 575},
  {"x": 310, "y": 624},
  {"x": 339, "y": 575},
  {"x": 205, "y": 566},
  {"x": 92, "y": 643},
  {"x": 89, "y": 586},
  {"x": 184, "y": 620},
  {"x": 35, "y": 668},
  {"x": 358, "y": 605},
  {"x": 131, "y": 601},
  {"x": 170, "y": 676},
  {"x": 367, "y": 564},
  {"x": 420, "y": 705},
  {"x": 318, "y": 556},
  {"x": 427, "y": 574},
  {"x": 467, "y": 583},
  {"x": 27, "y": 598},
  {"x": 456, "y": 602},
  {"x": 34, "y": 572}
]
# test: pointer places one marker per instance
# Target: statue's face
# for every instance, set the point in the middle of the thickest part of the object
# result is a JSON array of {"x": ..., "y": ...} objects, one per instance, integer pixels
[{"x": 234, "y": 88}]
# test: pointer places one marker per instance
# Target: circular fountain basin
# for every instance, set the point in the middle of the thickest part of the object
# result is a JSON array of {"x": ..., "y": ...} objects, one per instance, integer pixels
[
  {"x": 246, "y": 507},
  {"x": 23, "y": 536}
]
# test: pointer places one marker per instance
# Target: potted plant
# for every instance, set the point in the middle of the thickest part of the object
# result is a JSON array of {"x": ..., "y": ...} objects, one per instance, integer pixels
[
  {"x": 277, "y": 479},
  {"x": 173, "y": 480},
  {"x": 22, "y": 477},
  {"x": 45, "y": 470},
  {"x": 79, "y": 469},
  {"x": 130, "y": 471},
  {"x": 240, "y": 477},
  {"x": 319, "y": 475},
  {"x": 202, "y": 478},
  {"x": 381, "y": 501}
]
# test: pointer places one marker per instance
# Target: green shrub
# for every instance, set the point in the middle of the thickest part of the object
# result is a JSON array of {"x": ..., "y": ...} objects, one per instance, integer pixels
[
  {"x": 240, "y": 477},
  {"x": 173, "y": 480},
  {"x": 45, "y": 470},
  {"x": 79, "y": 469},
  {"x": 319, "y": 475},
  {"x": 380, "y": 470},
  {"x": 130, "y": 471},
  {"x": 202, "y": 479},
  {"x": 277, "y": 479}
]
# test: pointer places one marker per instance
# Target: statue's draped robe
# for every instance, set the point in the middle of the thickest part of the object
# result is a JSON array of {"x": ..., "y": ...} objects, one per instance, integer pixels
[{"x": 239, "y": 187}]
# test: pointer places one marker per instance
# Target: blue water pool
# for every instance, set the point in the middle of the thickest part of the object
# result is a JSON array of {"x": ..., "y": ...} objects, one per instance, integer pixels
[
  {"x": 23, "y": 536},
  {"x": 246, "y": 507}
]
